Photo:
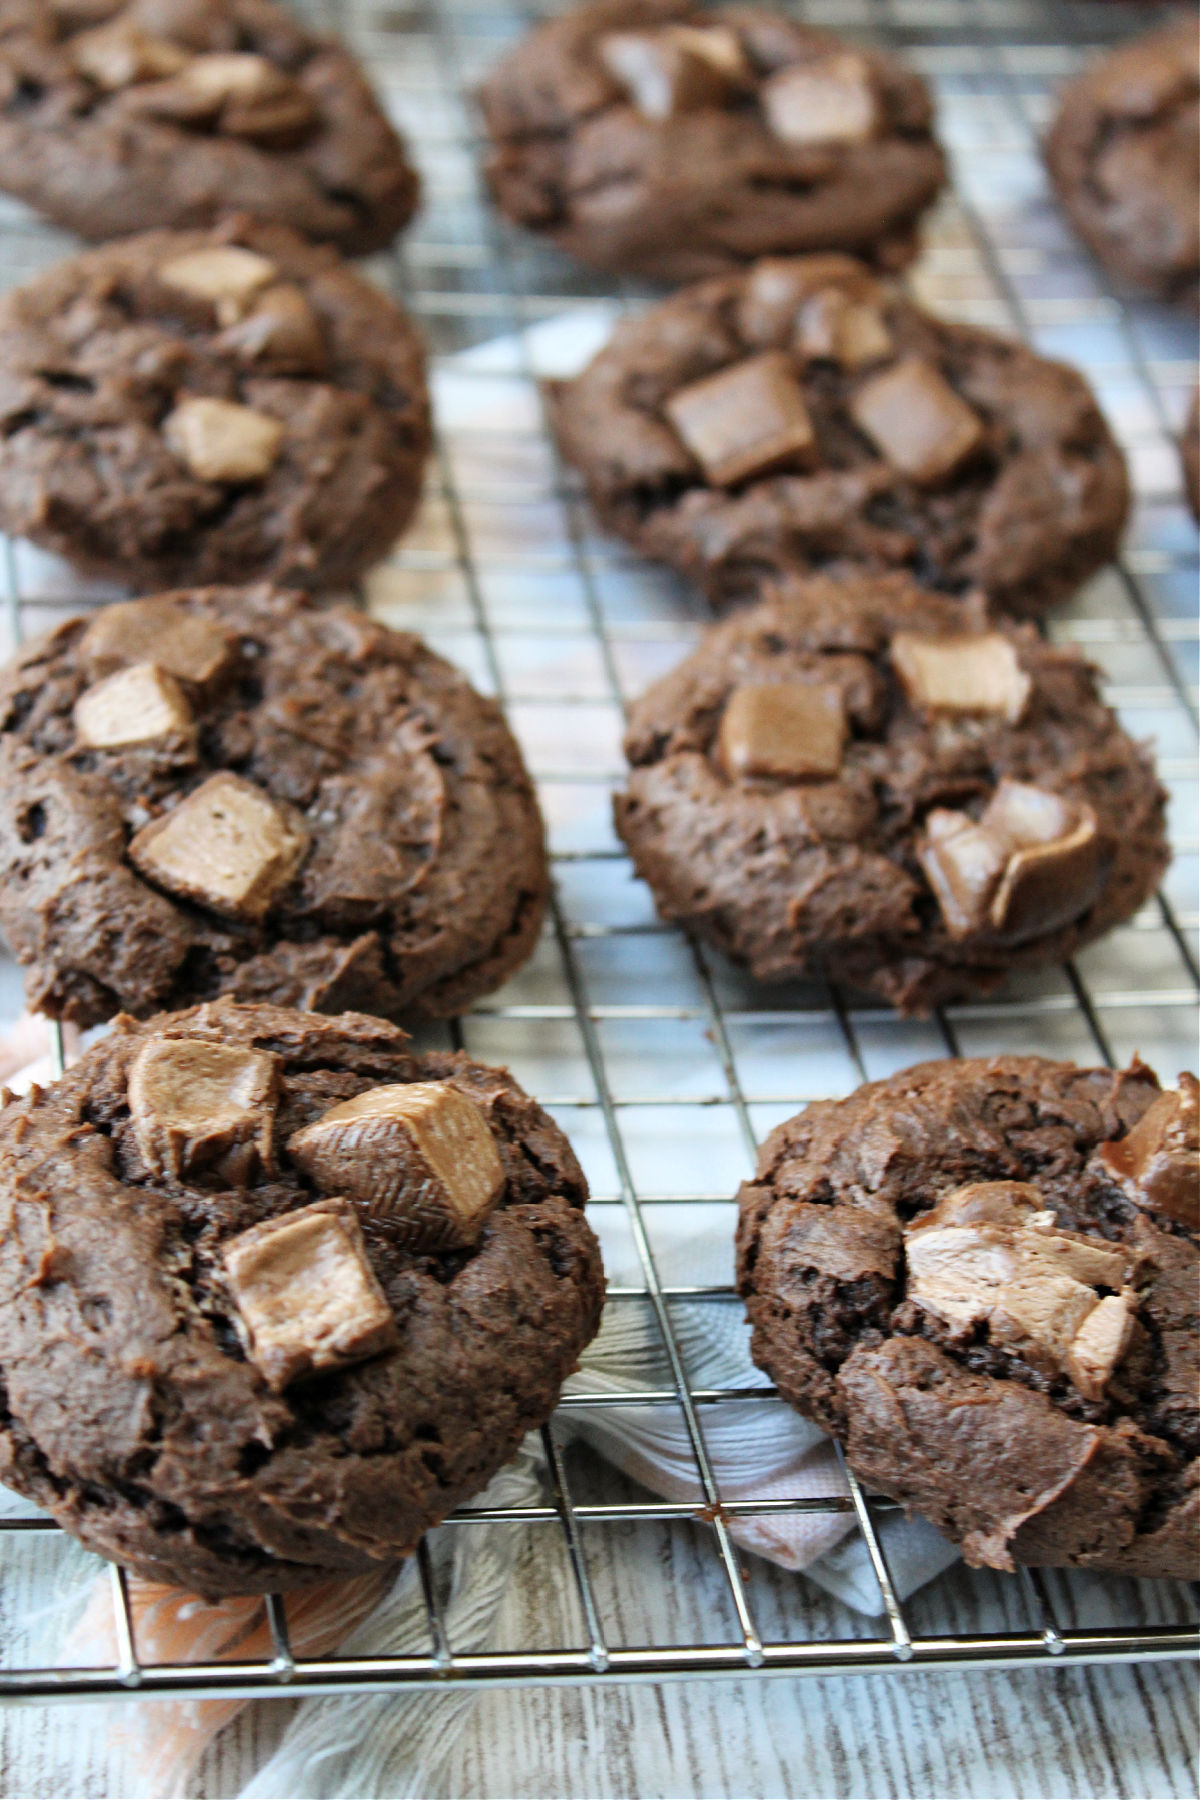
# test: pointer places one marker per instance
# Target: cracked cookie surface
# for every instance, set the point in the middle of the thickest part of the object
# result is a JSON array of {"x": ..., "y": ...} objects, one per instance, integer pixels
[
  {"x": 210, "y": 406},
  {"x": 982, "y": 1277},
  {"x": 232, "y": 792},
  {"x": 134, "y": 1339},
  {"x": 122, "y": 117},
  {"x": 868, "y": 783},
  {"x": 806, "y": 416},
  {"x": 655, "y": 137}
]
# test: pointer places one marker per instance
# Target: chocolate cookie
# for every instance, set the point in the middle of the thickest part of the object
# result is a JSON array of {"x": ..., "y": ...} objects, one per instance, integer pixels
[
  {"x": 869, "y": 783},
  {"x": 231, "y": 792},
  {"x": 279, "y": 1294},
  {"x": 116, "y": 117},
  {"x": 654, "y": 137},
  {"x": 206, "y": 407},
  {"x": 1189, "y": 451},
  {"x": 983, "y": 1277},
  {"x": 1124, "y": 156},
  {"x": 804, "y": 415}
]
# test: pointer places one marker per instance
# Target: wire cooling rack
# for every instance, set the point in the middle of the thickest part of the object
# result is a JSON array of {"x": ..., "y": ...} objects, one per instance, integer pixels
[{"x": 662, "y": 1062}]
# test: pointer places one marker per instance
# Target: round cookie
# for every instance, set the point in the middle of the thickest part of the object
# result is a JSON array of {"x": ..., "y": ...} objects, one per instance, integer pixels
[
  {"x": 246, "y": 1348},
  {"x": 868, "y": 783},
  {"x": 804, "y": 415},
  {"x": 191, "y": 407},
  {"x": 654, "y": 137},
  {"x": 1124, "y": 156},
  {"x": 121, "y": 117},
  {"x": 982, "y": 1277},
  {"x": 232, "y": 792}
]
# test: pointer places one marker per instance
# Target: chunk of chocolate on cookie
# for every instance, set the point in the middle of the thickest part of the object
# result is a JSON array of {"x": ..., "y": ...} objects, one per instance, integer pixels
[
  {"x": 140, "y": 705},
  {"x": 976, "y": 672},
  {"x": 197, "y": 1105},
  {"x": 120, "y": 53},
  {"x": 307, "y": 1298},
  {"x": 830, "y": 100},
  {"x": 746, "y": 420},
  {"x": 420, "y": 1158},
  {"x": 665, "y": 72},
  {"x": 1028, "y": 865},
  {"x": 192, "y": 646},
  {"x": 834, "y": 326},
  {"x": 789, "y": 730},
  {"x": 228, "y": 847},
  {"x": 220, "y": 440},
  {"x": 235, "y": 92},
  {"x": 1033, "y": 1286},
  {"x": 225, "y": 275},
  {"x": 1158, "y": 1163},
  {"x": 281, "y": 332},
  {"x": 916, "y": 420}
]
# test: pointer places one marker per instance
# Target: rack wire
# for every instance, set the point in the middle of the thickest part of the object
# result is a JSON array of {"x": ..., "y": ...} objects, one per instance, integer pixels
[{"x": 664, "y": 1065}]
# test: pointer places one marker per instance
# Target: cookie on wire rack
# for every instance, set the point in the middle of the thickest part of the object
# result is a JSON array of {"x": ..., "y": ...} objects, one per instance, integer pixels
[
  {"x": 247, "y": 1348},
  {"x": 119, "y": 116},
  {"x": 191, "y": 407},
  {"x": 982, "y": 1277},
  {"x": 868, "y": 783},
  {"x": 805, "y": 415},
  {"x": 659, "y": 138},
  {"x": 1124, "y": 156},
  {"x": 234, "y": 792}
]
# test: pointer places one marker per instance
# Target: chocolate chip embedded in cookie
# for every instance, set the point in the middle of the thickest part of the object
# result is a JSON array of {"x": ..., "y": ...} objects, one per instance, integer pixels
[
  {"x": 306, "y": 1296},
  {"x": 654, "y": 137},
  {"x": 228, "y": 791},
  {"x": 194, "y": 407},
  {"x": 220, "y": 1373},
  {"x": 1124, "y": 156},
  {"x": 420, "y": 1158},
  {"x": 804, "y": 416},
  {"x": 963, "y": 1273},
  {"x": 867, "y": 782},
  {"x": 132, "y": 115}
]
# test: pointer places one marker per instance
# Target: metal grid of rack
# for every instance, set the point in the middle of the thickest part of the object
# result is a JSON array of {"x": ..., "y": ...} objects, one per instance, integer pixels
[{"x": 663, "y": 1064}]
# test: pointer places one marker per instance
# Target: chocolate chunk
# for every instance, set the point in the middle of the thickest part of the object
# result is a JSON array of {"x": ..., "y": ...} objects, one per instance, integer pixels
[
  {"x": 1158, "y": 1163},
  {"x": 188, "y": 645},
  {"x": 307, "y": 1297},
  {"x": 963, "y": 865},
  {"x": 419, "y": 1157},
  {"x": 1027, "y": 867},
  {"x": 1099, "y": 1344},
  {"x": 197, "y": 1105},
  {"x": 662, "y": 72},
  {"x": 984, "y": 1203},
  {"x": 832, "y": 326},
  {"x": 246, "y": 95},
  {"x": 281, "y": 332},
  {"x": 914, "y": 417},
  {"x": 227, "y": 847},
  {"x": 827, "y": 101},
  {"x": 142, "y": 704},
  {"x": 788, "y": 729},
  {"x": 223, "y": 274},
  {"x": 749, "y": 419},
  {"x": 222, "y": 441},
  {"x": 721, "y": 47},
  {"x": 118, "y": 54},
  {"x": 1034, "y": 1287},
  {"x": 967, "y": 673},
  {"x": 1046, "y": 885}
]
